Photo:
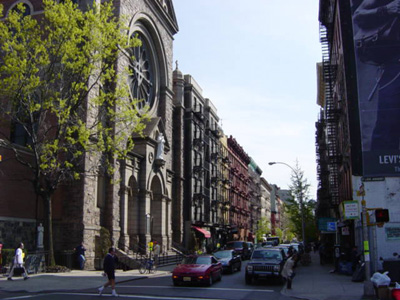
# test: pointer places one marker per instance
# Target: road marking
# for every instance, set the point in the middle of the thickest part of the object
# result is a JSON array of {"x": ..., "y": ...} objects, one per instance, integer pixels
[
  {"x": 109, "y": 295},
  {"x": 194, "y": 288},
  {"x": 21, "y": 297}
]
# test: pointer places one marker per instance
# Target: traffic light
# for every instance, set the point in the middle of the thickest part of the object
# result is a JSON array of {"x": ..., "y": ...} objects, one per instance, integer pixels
[{"x": 381, "y": 215}]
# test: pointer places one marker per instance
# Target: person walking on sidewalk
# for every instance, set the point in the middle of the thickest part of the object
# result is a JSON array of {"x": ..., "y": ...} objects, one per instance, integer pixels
[
  {"x": 157, "y": 250},
  {"x": 80, "y": 254},
  {"x": 288, "y": 270},
  {"x": 18, "y": 262},
  {"x": 109, "y": 269}
]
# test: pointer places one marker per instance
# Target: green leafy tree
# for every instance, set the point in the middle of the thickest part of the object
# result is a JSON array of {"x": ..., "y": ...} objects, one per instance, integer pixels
[
  {"x": 300, "y": 203},
  {"x": 60, "y": 86},
  {"x": 263, "y": 228}
]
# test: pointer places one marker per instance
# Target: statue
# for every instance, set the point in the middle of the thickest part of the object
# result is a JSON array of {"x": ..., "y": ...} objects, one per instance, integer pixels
[
  {"x": 40, "y": 231},
  {"x": 160, "y": 146}
]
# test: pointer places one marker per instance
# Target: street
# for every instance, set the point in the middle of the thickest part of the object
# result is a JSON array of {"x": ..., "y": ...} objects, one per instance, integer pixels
[{"x": 232, "y": 287}]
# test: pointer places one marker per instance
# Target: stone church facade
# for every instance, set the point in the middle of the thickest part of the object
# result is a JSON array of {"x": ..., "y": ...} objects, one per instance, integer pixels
[{"x": 142, "y": 206}]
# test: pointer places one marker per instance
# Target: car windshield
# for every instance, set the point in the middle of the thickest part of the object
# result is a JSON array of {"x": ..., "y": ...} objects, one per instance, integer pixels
[
  {"x": 223, "y": 254},
  {"x": 260, "y": 254},
  {"x": 235, "y": 245},
  {"x": 199, "y": 260}
]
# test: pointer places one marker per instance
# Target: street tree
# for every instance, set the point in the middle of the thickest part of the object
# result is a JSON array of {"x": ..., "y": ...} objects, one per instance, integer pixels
[
  {"x": 64, "y": 94},
  {"x": 300, "y": 203},
  {"x": 263, "y": 228}
]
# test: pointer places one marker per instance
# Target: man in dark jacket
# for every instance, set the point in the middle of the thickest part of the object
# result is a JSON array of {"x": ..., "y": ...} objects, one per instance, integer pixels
[{"x": 109, "y": 269}]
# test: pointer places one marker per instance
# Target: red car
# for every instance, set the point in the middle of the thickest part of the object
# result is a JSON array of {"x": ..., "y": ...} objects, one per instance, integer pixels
[{"x": 204, "y": 269}]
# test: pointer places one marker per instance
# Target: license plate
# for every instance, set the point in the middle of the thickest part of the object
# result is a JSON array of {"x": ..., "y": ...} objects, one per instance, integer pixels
[{"x": 187, "y": 278}]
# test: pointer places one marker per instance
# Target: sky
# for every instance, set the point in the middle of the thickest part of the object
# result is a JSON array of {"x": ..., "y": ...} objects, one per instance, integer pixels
[{"x": 256, "y": 61}]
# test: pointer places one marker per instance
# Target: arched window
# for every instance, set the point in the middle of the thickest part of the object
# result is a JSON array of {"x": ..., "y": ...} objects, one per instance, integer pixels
[{"x": 23, "y": 8}]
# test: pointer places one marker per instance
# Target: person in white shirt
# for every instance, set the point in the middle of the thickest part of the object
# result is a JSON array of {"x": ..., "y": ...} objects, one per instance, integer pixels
[
  {"x": 288, "y": 270},
  {"x": 157, "y": 250},
  {"x": 18, "y": 262}
]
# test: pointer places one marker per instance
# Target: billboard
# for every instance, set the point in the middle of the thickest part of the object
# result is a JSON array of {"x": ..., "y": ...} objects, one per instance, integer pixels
[{"x": 376, "y": 29}]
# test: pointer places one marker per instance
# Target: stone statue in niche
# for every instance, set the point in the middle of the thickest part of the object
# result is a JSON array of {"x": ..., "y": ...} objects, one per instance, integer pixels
[
  {"x": 160, "y": 146},
  {"x": 40, "y": 231}
]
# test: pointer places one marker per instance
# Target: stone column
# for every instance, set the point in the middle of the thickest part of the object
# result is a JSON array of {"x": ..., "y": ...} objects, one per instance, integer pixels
[
  {"x": 124, "y": 236},
  {"x": 145, "y": 197},
  {"x": 164, "y": 225},
  {"x": 168, "y": 223}
]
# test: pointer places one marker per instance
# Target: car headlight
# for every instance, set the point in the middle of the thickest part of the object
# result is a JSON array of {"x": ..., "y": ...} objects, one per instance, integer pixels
[
  {"x": 276, "y": 268},
  {"x": 249, "y": 268}
]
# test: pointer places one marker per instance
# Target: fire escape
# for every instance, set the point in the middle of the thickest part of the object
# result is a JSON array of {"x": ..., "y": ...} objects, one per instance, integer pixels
[{"x": 332, "y": 115}]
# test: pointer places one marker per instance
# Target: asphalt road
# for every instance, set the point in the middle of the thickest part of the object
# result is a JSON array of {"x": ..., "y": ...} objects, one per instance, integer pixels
[{"x": 231, "y": 287}]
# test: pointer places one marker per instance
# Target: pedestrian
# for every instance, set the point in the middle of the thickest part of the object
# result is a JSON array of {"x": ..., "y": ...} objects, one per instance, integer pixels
[
  {"x": 80, "y": 253},
  {"x": 321, "y": 250},
  {"x": 18, "y": 262},
  {"x": 109, "y": 269},
  {"x": 288, "y": 270},
  {"x": 316, "y": 247},
  {"x": 354, "y": 256},
  {"x": 156, "y": 251}
]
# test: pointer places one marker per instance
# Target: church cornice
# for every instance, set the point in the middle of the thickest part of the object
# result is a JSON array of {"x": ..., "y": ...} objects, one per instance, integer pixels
[{"x": 165, "y": 9}]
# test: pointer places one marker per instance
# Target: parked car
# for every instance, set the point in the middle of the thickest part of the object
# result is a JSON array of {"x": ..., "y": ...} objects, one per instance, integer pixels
[
  {"x": 265, "y": 263},
  {"x": 230, "y": 260},
  {"x": 274, "y": 239},
  {"x": 205, "y": 269},
  {"x": 268, "y": 244},
  {"x": 240, "y": 247},
  {"x": 285, "y": 248}
]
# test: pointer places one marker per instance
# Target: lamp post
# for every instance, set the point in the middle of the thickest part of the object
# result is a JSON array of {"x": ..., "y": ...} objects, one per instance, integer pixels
[{"x": 303, "y": 233}]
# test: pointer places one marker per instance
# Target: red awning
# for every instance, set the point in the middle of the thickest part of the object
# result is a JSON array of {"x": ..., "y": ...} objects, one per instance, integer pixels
[{"x": 206, "y": 233}]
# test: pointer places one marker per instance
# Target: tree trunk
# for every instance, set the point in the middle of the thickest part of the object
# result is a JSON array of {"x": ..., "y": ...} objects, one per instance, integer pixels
[{"x": 49, "y": 223}]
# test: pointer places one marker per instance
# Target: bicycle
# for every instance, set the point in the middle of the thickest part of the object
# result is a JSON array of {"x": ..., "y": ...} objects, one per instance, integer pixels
[{"x": 147, "y": 265}]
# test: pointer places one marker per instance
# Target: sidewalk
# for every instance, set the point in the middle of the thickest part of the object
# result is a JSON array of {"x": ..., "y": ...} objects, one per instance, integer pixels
[
  {"x": 315, "y": 282},
  {"x": 74, "y": 280}
]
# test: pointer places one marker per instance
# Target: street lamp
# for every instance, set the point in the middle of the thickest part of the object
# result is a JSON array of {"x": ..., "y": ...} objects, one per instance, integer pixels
[{"x": 303, "y": 234}]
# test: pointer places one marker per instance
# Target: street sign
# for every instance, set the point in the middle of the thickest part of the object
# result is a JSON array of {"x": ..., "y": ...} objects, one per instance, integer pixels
[
  {"x": 350, "y": 209},
  {"x": 331, "y": 226},
  {"x": 323, "y": 223}
]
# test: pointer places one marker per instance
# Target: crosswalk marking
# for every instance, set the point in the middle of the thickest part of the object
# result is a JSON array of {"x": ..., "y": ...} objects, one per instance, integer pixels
[
  {"x": 109, "y": 295},
  {"x": 193, "y": 288}
]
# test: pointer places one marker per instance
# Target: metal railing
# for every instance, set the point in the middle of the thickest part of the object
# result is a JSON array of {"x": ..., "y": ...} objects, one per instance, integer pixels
[{"x": 133, "y": 261}]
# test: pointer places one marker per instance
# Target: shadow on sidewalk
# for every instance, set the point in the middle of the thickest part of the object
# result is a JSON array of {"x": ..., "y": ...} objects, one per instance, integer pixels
[{"x": 316, "y": 282}]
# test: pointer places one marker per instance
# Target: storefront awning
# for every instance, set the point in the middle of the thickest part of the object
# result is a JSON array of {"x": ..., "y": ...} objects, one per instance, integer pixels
[{"x": 206, "y": 233}]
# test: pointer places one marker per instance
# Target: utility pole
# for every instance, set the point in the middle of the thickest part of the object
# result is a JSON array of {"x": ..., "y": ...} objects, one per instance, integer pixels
[{"x": 368, "y": 286}]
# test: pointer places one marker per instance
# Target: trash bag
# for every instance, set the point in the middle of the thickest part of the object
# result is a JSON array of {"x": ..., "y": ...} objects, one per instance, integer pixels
[{"x": 379, "y": 279}]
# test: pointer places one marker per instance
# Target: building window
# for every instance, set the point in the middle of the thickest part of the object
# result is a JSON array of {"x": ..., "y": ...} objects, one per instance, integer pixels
[
  {"x": 22, "y": 128},
  {"x": 101, "y": 191},
  {"x": 22, "y": 8}
]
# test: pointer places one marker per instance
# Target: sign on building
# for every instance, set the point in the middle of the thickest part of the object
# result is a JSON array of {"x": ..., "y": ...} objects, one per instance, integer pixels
[{"x": 350, "y": 210}]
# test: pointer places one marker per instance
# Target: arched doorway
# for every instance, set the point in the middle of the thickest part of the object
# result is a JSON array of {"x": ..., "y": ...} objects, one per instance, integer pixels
[{"x": 156, "y": 210}]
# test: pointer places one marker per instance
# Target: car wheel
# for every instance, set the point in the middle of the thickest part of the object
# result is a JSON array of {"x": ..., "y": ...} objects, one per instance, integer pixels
[
  {"x": 220, "y": 276},
  {"x": 232, "y": 269},
  {"x": 240, "y": 267},
  {"x": 210, "y": 281},
  {"x": 176, "y": 283},
  {"x": 249, "y": 279}
]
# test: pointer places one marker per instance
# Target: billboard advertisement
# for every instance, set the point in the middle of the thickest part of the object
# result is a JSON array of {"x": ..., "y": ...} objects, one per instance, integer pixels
[{"x": 376, "y": 29}]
